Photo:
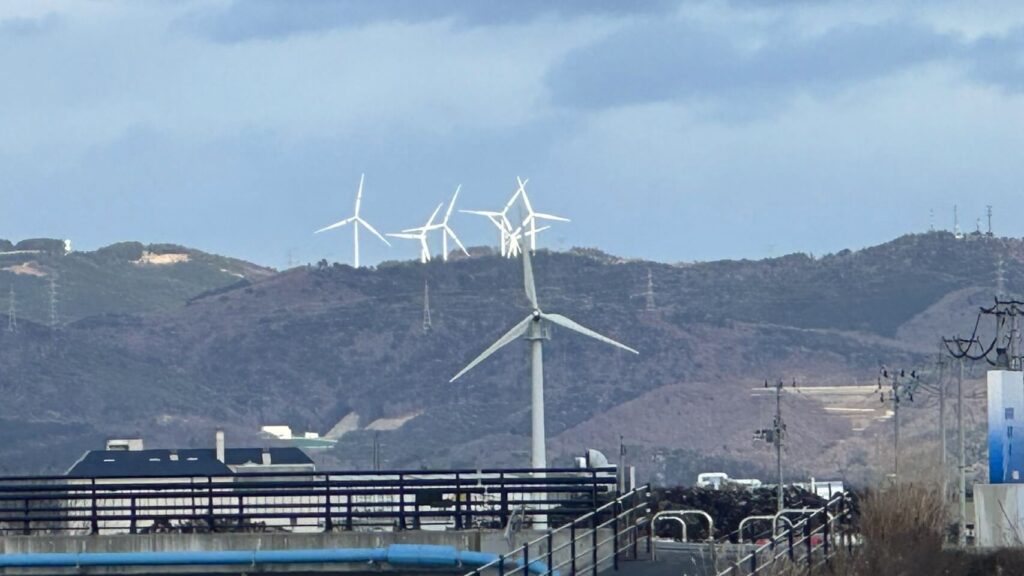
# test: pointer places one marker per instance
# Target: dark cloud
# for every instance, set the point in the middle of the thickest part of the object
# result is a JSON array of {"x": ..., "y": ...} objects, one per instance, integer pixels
[
  {"x": 267, "y": 19},
  {"x": 666, "y": 60},
  {"x": 1000, "y": 61}
]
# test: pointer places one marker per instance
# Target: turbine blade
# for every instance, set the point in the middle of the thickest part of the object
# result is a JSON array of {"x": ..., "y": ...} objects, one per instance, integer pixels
[
  {"x": 458, "y": 242},
  {"x": 403, "y": 235},
  {"x": 372, "y": 229},
  {"x": 335, "y": 225},
  {"x": 516, "y": 331},
  {"x": 526, "y": 199},
  {"x": 538, "y": 230},
  {"x": 359, "y": 194},
  {"x": 434, "y": 215},
  {"x": 451, "y": 204},
  {"x": 531, "y": 289},
  {"x": 571, "y": 325},
  {"x": 541, "y": 216}
]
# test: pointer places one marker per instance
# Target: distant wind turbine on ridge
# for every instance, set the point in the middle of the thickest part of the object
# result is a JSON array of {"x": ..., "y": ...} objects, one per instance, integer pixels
[
  {"x": 532, "y": 328},
  {"x": 446, "y": 230},
  {"x": 356, "y": 220},
  {"x": 420, "y": 234},
  {"x": 509, "y": 235},
  {"x": 532, "y": 216}
]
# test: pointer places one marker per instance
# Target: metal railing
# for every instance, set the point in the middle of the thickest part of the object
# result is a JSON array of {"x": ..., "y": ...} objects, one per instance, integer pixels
[
  {"x": 302, "y": 501},
  {"x": 588, "y": 544},
  {"x": 808, "y": 543}
]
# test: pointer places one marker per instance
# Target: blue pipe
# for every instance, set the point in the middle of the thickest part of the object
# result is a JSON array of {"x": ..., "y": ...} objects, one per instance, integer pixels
[{"x": 396, "y": 554}]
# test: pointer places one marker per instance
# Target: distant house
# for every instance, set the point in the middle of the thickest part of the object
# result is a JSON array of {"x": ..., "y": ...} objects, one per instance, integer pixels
[{"x": 127, "y": 459}]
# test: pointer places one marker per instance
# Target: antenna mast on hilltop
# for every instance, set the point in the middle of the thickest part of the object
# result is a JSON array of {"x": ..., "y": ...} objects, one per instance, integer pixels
[
  {"x": 427, "y": 324},
  {"x": 12, "y": 312},
  {"x": 988, "y": 211},
  {"x": 956, "y": 224}
]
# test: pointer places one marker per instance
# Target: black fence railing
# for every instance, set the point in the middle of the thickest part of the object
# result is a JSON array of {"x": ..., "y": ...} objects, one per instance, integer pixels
[
  {"x": 588, "y": 544},
  {"x": 803, "y": 546},
  {"x": 302, "y": 501}
]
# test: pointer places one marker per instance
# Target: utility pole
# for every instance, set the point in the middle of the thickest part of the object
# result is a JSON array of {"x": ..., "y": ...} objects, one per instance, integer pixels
[
  {"x": 12, "y": 312},
  {"x": 897, "y": 391},
  {"x": 963, "y": 347},
  {"x": 943, "y": 451},
  {"x": 961, "y": 536},
  {"x": 427, "y": 324},
  {"x": 376, "y": 451},
  {"x": 775, "y": 436}
]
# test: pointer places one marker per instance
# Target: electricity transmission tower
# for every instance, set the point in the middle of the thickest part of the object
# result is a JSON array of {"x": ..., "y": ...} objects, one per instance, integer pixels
[
  {"x": 775, "y": 436},
  {"x": 649, "y": 294},
  {"x": 898, "y": 391},
  {"x": 54, "y": 318},
  {"x": 12, "y": 312},
  {"x": 427, "y": 323}
]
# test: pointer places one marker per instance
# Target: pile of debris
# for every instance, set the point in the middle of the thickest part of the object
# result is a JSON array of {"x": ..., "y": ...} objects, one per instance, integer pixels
[{"x": 728, "y": 507}]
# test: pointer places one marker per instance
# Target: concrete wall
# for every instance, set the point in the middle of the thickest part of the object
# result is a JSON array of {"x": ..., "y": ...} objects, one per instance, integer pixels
[
  {"x": 999, "y": 515},
  {"x": 493, "y": 541}
]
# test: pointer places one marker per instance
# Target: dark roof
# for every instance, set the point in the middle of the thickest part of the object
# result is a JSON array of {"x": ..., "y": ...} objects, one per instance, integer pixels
[{"x": 190, "y": 462}]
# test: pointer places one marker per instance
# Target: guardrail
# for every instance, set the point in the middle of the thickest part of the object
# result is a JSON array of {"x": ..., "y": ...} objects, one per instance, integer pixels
[
  {"x": 308, "y": 502},
  {"x": 589, "y": 543},
  {"x": 808, "y": 543}
]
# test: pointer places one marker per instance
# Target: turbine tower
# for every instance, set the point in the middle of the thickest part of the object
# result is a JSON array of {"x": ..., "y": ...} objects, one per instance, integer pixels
[
  {"x": 532, "y": 327},
  {"x": 420, "y": 234},
  {"x": 356, "y": 220}
]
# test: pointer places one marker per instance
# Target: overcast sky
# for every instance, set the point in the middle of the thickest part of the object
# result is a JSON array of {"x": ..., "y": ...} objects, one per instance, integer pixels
[{"x": 665, "y": 130}]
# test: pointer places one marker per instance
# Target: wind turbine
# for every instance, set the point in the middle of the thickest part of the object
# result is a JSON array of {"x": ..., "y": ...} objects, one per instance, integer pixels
[
  {"x": 446, "y": 230},
  {"x": 420, "y": 234},
  {"x": 495, "y": 218},
  {"x": 533, "y": 328},
  {"x": 532, "y": 216},
  {"x": 356, "y": 221},
  {"x": 500, "y": 220}
]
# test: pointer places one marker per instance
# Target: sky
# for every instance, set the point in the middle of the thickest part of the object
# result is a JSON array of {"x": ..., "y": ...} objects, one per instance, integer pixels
[{"x": 670, "y": 131}]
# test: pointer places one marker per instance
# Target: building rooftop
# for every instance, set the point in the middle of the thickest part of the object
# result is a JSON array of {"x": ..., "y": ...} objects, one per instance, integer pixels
[{"x": 187, "y": 462}]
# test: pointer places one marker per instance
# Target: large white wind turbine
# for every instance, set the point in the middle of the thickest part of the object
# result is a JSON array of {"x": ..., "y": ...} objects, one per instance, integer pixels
[
  {"x": 420, "y": 234},
  {"x": 532, "y": 328},
  {"x": 532, "y": 216},
  {"x": 356, "y": 221}
]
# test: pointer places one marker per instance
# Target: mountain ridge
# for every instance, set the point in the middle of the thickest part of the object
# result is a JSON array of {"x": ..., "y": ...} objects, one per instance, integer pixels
[{"x": 310, "y": 345}]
